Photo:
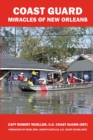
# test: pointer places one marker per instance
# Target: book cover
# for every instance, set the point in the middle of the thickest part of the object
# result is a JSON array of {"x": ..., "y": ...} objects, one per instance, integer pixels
[{"x": 46, "y": 69}]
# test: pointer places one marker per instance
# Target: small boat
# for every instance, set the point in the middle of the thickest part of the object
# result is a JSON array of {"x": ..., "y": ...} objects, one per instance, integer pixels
[{"x": 61, "y": 87}]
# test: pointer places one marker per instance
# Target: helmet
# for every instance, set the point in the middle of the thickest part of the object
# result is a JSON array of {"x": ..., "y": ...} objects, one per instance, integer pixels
[
  {"x": 33, "y": 73},
  {"x": 21, "y": 73}
]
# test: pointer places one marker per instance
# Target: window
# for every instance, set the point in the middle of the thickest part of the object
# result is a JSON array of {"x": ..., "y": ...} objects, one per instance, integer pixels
[{"x": 79, "y": 74}]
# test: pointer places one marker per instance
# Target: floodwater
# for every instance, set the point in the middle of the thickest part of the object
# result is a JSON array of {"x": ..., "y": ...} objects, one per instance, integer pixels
[{"x": 14, "y": 101}]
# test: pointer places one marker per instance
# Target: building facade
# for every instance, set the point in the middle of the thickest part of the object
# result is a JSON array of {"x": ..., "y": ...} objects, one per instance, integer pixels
[{"x": 17, "y": 65}]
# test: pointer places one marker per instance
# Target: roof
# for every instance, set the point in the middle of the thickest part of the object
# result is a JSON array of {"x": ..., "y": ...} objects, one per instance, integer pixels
[
  {"x": 88, "y": 56},
  {"x": 82, "y": 63},
  {"x": 9, "y": 62}
]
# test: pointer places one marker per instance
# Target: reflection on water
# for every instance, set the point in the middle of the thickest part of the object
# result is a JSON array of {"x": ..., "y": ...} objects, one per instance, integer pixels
[{"x": 13, "y": 101}]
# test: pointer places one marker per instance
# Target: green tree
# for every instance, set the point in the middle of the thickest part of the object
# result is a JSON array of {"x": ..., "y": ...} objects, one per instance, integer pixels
[
  {"x": 8, "y": 41},
  {"x": 28, "y": 46},
  {"x": 47, "y": 43},
  {"x": 63, "y": 41},
  {"x": 42, "y": 44}
]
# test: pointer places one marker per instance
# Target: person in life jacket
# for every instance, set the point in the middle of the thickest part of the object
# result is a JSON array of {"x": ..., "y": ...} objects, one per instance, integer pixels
[
  {"x": 21, "y": 77},
  {"x": 34, "y": 78},
  {"x": 71, "y": 79}
]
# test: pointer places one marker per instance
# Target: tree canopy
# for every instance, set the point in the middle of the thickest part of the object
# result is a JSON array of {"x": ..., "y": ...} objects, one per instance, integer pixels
[{"x": 42, "y": 44}]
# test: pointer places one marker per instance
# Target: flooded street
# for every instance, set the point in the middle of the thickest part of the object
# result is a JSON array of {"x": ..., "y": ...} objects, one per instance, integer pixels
[{"x": 13, "y": 101}]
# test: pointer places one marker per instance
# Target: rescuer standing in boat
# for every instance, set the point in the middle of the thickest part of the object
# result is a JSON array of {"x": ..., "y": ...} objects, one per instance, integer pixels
[
  {"x": 71, "y": 79},
  {"x": 34, "y": 78}
]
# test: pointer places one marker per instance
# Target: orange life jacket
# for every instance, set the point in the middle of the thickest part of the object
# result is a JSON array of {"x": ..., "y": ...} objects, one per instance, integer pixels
[
  {"x": 71, "y": 80},
  {"x": 21, "y": 78}
]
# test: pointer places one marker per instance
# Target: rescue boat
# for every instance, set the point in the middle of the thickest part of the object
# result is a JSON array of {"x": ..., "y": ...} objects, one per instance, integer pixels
[{"x": 60, "y": 87}]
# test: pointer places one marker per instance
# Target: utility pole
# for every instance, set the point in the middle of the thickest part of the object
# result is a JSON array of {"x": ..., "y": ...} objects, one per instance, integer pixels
[
  {"x": 0, "y": 57},
  {"x": 15, "y": 41}
]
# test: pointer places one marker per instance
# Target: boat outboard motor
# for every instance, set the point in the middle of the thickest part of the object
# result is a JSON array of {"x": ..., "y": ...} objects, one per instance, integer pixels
[{"x": 86, "y": 77}]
